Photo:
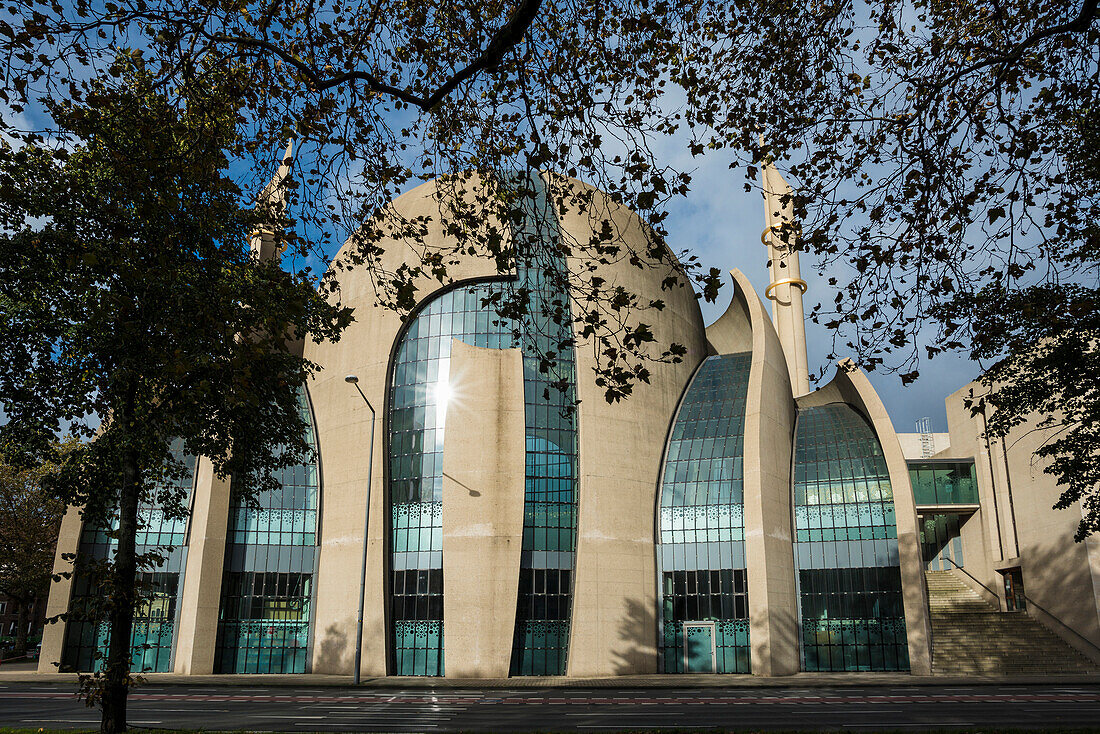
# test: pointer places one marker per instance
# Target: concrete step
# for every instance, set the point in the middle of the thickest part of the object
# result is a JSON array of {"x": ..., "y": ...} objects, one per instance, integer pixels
[{"x": 972, "y": 637}]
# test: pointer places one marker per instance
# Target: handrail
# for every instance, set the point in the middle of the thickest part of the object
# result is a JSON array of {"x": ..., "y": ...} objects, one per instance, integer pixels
[{"x": 1030, "y": 601}]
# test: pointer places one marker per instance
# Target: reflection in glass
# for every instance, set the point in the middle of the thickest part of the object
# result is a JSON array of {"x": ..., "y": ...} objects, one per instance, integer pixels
[
  {"x": 267, "y": 584},
  {"x": 943, "y": 483},
  {"x": 419, "y": 392},
  {"x": 846, "y": 548},
  {"x": 155, "y": 619},
  {"x": 941, "y": 540},
  {"x": 700, "y": 552}
]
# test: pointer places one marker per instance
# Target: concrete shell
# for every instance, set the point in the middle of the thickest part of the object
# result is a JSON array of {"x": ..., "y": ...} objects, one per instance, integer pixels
[{"x": 619, "y": 447}]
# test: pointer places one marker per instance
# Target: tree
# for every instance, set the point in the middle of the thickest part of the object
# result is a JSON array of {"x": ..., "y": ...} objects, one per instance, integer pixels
[
  {"x": 383, "y": 94},
  {"x": 128, "y": 292},
  {"x": 30, "y": 518},
  {"x": 930, "y": 144},
  {"x": 1041, "y": 342}
]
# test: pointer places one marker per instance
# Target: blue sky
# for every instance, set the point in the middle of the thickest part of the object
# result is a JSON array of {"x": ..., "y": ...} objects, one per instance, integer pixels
[{"x": 721, "y": 223}]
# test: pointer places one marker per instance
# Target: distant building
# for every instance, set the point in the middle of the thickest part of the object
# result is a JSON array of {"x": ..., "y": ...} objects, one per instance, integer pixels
[
  {"x": 724, "y": 518},
  {"x": 9, "y": 618}
]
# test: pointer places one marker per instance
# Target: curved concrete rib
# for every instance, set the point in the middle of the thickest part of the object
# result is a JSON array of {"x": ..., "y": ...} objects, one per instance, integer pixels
[
  {"x": 851, "y": 386},
  {"x": 483, "y": 498},
  {"x": 732, "y": 331},
  {"x": 769, "y": 430}
]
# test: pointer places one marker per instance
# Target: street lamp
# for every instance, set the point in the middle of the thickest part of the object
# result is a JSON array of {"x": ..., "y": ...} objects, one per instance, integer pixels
[{"x": 353, "y": 380}]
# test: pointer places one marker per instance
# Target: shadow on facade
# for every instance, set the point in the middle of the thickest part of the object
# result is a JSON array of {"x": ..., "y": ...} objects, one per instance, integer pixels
[
  {"x": 332, "y": 656},
  {"x": 637, "y": 634},
  {"x": 1058, "y": 579}
]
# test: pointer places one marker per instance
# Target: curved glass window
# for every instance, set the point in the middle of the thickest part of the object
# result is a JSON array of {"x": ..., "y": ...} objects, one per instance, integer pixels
[
  {"x": 704, "y": 614},
  {"x": 846, "y": 548},
  {"x": 417, "y": 422},
  {"x": 153, "y": 635},
  {"x": 267, "y": 582}
]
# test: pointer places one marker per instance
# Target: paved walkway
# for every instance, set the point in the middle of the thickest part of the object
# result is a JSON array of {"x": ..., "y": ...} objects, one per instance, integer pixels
[{"x": 22, "y": 673}]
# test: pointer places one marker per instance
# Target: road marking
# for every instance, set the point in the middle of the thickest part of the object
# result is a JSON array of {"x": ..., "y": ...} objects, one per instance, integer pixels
[
  {"x": 281, "y": 716},
  {"x": 892, "y": 724}
]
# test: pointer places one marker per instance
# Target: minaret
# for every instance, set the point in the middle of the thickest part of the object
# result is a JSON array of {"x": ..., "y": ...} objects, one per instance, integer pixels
[
  {"x": 273, "y": 197},
  {"x": 786, "y": 287}
]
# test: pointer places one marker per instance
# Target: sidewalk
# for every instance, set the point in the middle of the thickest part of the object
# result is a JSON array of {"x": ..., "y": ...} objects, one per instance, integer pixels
[{"x": 799, "y": 680}]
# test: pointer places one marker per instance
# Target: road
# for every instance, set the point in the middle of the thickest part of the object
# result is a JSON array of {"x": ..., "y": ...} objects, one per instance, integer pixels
[{"x": 259, "y": 708}]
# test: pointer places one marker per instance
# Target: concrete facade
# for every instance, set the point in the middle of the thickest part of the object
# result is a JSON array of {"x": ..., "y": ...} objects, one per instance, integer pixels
[
  {"x": 620, "y": 462},
  {"x": 482, "y": 511},
  {"x": 1016, "y": 527}
]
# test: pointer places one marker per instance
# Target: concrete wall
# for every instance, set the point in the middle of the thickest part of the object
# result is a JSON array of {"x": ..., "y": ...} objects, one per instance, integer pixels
[
  {"x": 200, "y": 594},
  {"x": 1019, "y": 527},
  {"x": 53, "y": 635},
  {"x": 732, "y": 332},
  {"x": 912, "y": 444},
  {"x": 344, "y": 428},
  {"x": 621, "y": 445},
  {"x": 620, "y": 448},
  {"x": 483, "y": 495}
]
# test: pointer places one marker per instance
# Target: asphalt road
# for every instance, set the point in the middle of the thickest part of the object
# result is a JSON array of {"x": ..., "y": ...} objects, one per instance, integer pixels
[{"x": 53, "y": 706}]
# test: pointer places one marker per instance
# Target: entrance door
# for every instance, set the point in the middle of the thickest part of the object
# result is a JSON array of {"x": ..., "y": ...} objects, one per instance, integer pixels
[
  {"x": 699, "y": 647},
  {"x": 941, "y": 544},
  {"x": 1015, "y": 601}
]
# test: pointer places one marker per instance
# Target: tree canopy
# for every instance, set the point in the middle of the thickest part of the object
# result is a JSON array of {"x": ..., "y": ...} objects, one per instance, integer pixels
[
  {"x": 128, "y": 291},
  {"x": 30, "y": 518},
  {"x": 932, "y": 146}
]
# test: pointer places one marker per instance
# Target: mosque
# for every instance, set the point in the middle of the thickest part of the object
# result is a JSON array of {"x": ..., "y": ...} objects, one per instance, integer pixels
[{"x": 470, "y": 515}]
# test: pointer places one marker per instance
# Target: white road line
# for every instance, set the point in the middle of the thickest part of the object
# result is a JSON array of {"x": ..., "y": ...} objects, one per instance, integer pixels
[
  {"x": 900, "y": 724},
  {"x": 280, "y": 716}
]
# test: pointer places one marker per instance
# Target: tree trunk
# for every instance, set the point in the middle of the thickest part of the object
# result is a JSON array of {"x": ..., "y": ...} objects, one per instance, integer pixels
[
  {"x": 21, "y": 626},
  {"x": 122, "y": 602}
]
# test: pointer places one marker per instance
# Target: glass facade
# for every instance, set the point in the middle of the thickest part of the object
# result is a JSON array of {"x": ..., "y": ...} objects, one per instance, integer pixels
[
  {"x": 701, "y": 548},
  {"x": 153, "y": 635},
  {"x": 417, "y": 421},
  {"x": 267, "y": 582},
  {"x": 846, "y": 548},
  {"x": 940, "y": 540},
  {"x": 943, "y": 483}
]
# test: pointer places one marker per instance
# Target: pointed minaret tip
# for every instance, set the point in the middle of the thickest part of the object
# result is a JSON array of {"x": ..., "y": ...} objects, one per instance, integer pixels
[
  {"x": 273, "y": 196},
  {"x": 787, "y": 287}
]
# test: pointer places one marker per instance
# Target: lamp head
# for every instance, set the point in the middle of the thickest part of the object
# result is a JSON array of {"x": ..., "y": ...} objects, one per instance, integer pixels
[{"x": 351, "y": 380}]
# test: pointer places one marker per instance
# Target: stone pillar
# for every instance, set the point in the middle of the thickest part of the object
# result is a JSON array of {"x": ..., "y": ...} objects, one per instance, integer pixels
[
  {"x": 200, "y": 597},
  {"x": 483, "y": 494},
  {"x": 769, "y": 553},
  {"x": 53, "y": 635}
]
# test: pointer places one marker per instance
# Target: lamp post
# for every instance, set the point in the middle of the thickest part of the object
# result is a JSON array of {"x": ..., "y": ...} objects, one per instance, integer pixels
[{"x": 353, "y": 380}]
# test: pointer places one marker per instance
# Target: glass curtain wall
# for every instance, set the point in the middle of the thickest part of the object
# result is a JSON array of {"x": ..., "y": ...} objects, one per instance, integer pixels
[
  {"x": 846, "y": 548},
  {"x": 267, "y": 582},
  {"x": 417, "y": 424},
  {"x": 943, "y": 483},
  {"x": 540, "y": 644},
  {"x": 153, "y": 636},
  {"x": 701, "y": 548}
]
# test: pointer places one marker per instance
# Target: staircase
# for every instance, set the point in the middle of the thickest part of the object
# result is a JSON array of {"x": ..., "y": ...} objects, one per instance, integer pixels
[{"x": 971, "y": 637}]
